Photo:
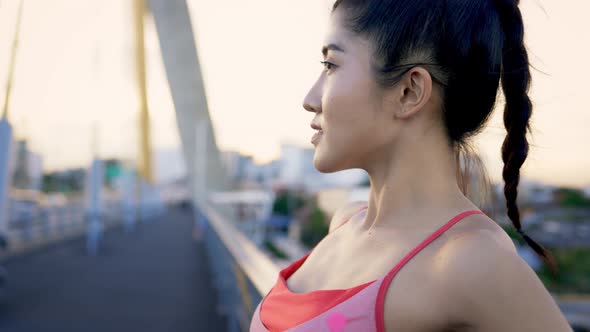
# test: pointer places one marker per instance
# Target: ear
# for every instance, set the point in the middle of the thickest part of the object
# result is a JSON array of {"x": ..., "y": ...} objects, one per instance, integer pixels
[{"x": 415, "y": 89}]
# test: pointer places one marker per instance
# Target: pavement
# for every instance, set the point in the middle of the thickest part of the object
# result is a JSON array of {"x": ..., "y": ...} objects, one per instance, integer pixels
[{"x": 154, "y": 279}]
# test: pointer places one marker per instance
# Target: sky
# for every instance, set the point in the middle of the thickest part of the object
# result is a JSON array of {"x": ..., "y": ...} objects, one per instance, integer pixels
[{"x": 75, "y": 72}]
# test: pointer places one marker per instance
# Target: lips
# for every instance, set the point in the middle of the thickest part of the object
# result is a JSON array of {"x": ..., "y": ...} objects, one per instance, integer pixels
[{"x": 316, "y": 137}]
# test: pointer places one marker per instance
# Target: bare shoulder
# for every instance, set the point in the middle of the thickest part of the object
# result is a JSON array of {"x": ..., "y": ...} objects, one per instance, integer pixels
[
  {"x": 493, "y": 289},
  {"x": 345, "y": 212},
  {"x": 483, "y": 226}
]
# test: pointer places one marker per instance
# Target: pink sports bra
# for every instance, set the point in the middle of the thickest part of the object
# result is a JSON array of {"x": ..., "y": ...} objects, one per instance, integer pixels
[{"x": 359, "y": 308}]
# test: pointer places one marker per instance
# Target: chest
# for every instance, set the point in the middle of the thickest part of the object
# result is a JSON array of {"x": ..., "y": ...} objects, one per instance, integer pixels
[{"x": 414, "y": 300}]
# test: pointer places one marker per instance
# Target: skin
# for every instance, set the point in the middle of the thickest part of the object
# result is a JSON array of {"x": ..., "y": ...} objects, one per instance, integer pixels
[{"x": 470, "y": 278}]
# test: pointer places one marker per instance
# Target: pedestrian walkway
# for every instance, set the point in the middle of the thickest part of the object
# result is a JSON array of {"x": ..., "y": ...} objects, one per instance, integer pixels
[{"x": 155, "y": 279}]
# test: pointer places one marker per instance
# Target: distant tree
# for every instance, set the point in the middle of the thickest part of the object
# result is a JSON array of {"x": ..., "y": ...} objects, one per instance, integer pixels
[
  {"x": 569, "y": 197},
  {"x": 66, "y": 182},
  {"x": 574, "y": 275},
  {"x": 49, "y": 183},
  {"x": 287, "y": 202},
  {"x": 315, "y": 228}
]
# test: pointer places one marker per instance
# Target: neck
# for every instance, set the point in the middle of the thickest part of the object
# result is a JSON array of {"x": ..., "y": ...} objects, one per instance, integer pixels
[{"x": 413, "y": 188}]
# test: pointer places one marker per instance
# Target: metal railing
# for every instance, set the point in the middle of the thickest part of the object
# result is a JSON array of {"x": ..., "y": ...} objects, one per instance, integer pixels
[
  {"x": 242, "y": 273},
  {"x": 37, "y": 226}
]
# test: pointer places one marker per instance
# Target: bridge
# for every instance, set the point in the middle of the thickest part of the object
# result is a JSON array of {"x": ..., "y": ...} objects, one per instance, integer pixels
[{"x": 188, "y": 267}]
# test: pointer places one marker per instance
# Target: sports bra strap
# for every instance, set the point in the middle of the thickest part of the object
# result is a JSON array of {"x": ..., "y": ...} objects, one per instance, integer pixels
[
  {"x": 431, "y": 238},
  {"x": 389, "y": 277}
]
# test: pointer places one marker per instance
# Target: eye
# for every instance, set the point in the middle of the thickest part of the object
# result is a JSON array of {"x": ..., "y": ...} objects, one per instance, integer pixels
[{"x": 328, "y": 65}]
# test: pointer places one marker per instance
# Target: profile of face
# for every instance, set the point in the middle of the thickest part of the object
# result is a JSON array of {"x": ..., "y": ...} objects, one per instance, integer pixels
[{"x": 360, "y": 120}]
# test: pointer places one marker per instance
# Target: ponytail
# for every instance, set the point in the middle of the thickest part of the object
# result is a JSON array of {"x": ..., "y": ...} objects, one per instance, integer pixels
[{"x": 516, "y": 80}]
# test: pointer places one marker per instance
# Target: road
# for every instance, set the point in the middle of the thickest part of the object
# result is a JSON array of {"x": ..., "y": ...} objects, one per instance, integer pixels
[{"x": 155, "y": 279}]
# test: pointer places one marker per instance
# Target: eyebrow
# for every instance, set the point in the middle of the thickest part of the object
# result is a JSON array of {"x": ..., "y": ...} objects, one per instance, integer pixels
[{"x": 331, "y": 47}]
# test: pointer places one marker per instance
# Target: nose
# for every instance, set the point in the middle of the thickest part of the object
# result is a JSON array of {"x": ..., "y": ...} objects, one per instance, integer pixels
[{"x": 313, "y": 100}]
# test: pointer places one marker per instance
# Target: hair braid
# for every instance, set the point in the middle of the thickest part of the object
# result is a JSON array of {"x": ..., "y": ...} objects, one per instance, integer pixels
[{"x": 516, "y": 80}]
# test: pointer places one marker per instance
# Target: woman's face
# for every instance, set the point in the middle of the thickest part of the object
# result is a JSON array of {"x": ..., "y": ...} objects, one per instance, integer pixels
[{"x": 348, "y": 104}]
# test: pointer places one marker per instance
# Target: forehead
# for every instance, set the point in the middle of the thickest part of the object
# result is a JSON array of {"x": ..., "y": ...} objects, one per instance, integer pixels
[
  {"x": 351, "y": 44},
  {"x": 337, "y": 33}
]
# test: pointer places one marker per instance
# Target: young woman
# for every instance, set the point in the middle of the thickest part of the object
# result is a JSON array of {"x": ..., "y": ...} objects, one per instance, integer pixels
[{"x": 406, "y": 83}]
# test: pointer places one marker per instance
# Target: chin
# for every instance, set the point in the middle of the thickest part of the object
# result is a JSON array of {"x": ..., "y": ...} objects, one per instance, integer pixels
[{"x": 325, "y": 164}]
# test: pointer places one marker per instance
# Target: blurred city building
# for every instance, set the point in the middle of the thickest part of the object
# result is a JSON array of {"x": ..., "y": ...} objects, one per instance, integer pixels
[
  {"x": 26, "y": 167},
  {"x": 170, "y": 165},
  {"x": 293, "y": 169}
]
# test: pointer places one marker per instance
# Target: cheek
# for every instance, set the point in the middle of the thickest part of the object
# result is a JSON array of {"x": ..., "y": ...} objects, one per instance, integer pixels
[{"x": 347, "y": 102}]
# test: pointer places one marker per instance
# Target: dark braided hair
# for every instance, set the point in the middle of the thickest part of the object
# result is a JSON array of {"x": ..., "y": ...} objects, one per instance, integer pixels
[
  {"x": 516, "y": 79},
  {"x": 467, "y": 46}
]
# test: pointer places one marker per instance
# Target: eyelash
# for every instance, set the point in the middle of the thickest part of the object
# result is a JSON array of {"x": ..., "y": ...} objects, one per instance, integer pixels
[{"x": 328, "y": 64}]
